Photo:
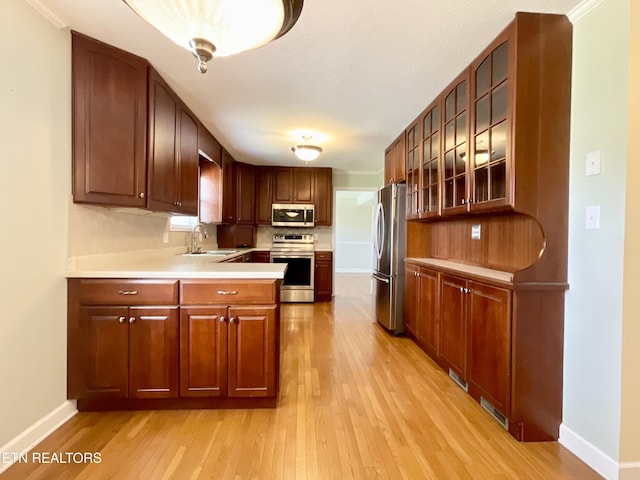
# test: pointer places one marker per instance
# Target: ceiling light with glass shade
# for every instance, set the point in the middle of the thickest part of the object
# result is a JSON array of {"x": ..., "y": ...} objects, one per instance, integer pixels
[
  {"x": 218, "y": 28},
  {"x": 306, "y": 151}
]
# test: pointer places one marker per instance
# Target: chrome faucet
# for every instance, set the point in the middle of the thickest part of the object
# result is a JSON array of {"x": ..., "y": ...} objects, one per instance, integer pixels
[{"x": 195, "y": 248}]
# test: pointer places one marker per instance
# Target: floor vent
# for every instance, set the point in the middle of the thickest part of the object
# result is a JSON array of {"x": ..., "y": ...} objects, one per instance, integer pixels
[
  {"x": 500, "y": 418},
  {"x": 456, "y": 378}
]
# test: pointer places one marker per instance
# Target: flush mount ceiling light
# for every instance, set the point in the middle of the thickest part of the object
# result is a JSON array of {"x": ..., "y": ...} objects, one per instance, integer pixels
[
  {"x": 218, "y": 28},
  {"x": 306, "y": 151}
]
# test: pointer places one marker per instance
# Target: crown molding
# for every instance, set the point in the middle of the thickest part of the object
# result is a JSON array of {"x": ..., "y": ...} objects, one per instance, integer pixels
[
  {"x": 47, "y": 13},
  {"x": 582, "y": 9}
]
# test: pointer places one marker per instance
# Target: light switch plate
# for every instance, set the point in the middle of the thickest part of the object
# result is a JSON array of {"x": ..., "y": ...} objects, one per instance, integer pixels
[
  {"x": 475, "y": 232},
  {"x": 592, "y": 221},
  {"x": 594, "y": 163}
]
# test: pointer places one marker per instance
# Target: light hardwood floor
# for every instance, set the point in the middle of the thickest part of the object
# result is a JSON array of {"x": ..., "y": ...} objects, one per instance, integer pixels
[{"x": 355, "y": 403}]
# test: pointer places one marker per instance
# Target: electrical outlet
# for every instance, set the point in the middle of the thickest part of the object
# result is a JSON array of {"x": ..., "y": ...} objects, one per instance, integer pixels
[
  {"x": 592, "y": 221},
  {"x": 475, "y": 232},
  {"x": 594, "y": 163}
]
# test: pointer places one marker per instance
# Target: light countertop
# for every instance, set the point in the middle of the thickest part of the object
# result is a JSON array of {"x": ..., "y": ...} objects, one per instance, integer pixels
[
  {"x": 181, "y": 266},
  {"x": 457, "y": 267}
]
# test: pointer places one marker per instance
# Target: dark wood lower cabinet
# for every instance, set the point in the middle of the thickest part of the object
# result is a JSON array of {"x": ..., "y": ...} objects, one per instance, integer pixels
[
  {"x": 202, "y": 352},
  {"x": 504, "y": 343},
  {"x": 323, "y": 276},
  {"x": 490, "y": 344},
  {"x": 453, "y": 320}
]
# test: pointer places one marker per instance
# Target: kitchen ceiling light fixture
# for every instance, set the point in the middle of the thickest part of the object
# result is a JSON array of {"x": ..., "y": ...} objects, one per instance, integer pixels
[
  {"x": 306, "y": 151},
  {"x": 218, "y": 28}
]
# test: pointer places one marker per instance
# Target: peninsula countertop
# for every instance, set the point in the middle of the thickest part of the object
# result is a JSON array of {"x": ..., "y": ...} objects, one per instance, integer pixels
[{"x": 182, "y": 266}]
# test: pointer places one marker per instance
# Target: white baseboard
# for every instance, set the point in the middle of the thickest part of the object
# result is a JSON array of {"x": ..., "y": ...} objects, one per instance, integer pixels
[
  {"x": 596, "y": 459},
  {"x": 38, "y": 431}
]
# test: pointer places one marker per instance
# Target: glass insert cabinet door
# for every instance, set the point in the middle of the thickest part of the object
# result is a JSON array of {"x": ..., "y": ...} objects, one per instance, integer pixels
[
  {"x": 455, "y": 193},
  {"x": 431, "y": 153},
  {"x": 489, "y": 165},
  {"x": 413, "y": 170}
]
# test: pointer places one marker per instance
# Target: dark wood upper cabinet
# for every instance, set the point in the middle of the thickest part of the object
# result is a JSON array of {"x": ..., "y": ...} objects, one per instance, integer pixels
[
  {"x": 228, "y": 188},
  {"x": 173, "y": 151},
  {"x": 455, "y": 132},
  {"x": 109, "y": 105},
  {"x": 303, "y": 185},
  {"x": 208, "y": 146},
  {"x": 282, "y": 185},
  {"x": 245, "y": 194},
  {"x": 323, "y": 196},
  {"x": 395, "y": 161},
  {"x": 264, "y": 195},
  {"x": 412, "y": 146}
]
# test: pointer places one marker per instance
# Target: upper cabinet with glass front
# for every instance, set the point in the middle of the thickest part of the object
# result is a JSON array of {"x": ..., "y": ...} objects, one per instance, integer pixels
[
  {"x": 456, "y": 148},
  {"x": 519, "y": 103},
  {"x": 497, "y": 137},
  {"x": 431, "y": 153}
]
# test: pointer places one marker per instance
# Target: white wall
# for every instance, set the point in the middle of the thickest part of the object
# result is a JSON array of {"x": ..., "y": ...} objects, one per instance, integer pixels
[
  {"x": 35, "y": 178},
  {"x": 593, "y": 321},
  {"x": 353, "y": 222}
]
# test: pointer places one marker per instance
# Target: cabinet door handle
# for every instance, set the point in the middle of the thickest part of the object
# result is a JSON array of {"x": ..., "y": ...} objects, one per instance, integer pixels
[
  {"x": 222, "y": 319},
  {"x": 232, "y": 320},
  {"x": 132, "y": 319},
  {"x": 227, "y": 292},
  {"x": 121, "y": 319},
  {"x": 141, "y": 195},
  {"x": 127, "y": 292}
]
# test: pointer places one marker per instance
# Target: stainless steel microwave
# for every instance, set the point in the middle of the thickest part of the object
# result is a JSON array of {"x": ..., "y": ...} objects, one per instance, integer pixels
[{"x": 292, "y": 215}]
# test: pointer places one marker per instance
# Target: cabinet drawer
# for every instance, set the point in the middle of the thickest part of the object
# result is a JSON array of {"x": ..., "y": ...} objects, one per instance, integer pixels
[
  {"x": 227, "y": 292},
  {"x": 128, "y": 292},
  {"x": 323, "y": 256}
]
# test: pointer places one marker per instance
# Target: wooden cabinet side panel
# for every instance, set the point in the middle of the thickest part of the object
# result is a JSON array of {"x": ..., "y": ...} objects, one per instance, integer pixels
[
  {"x": 252, "y": 351},
  {"x": 109, "y": 105},
  {"x": 203, "y": 352},
  {"x": 154, "y": 352},
  {"x": 411, "y": 299},
  {"x": 537, "y": 357}
]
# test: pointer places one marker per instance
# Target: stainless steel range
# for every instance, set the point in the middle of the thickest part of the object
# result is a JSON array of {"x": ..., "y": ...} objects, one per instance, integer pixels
[{"x": 297, "y": 251}]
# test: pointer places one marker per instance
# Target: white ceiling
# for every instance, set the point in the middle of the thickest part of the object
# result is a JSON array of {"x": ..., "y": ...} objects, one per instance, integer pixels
[{"x": 352, "y": 73}]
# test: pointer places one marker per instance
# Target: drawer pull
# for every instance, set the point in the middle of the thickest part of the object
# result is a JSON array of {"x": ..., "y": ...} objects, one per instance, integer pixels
[
  {"x": 127, "y": 292},
  {"x": 227, "y": 292}
]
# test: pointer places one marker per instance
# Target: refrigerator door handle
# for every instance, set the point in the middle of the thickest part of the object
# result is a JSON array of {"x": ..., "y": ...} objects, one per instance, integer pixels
[
  {"x": 376, "y": 219},
  {"x": 380, "y": 231},
  {"x": 376, "y": 277}
]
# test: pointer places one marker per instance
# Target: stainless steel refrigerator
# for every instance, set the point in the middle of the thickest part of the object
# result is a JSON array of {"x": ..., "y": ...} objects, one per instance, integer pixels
[{"x": 389, "y": 243}]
